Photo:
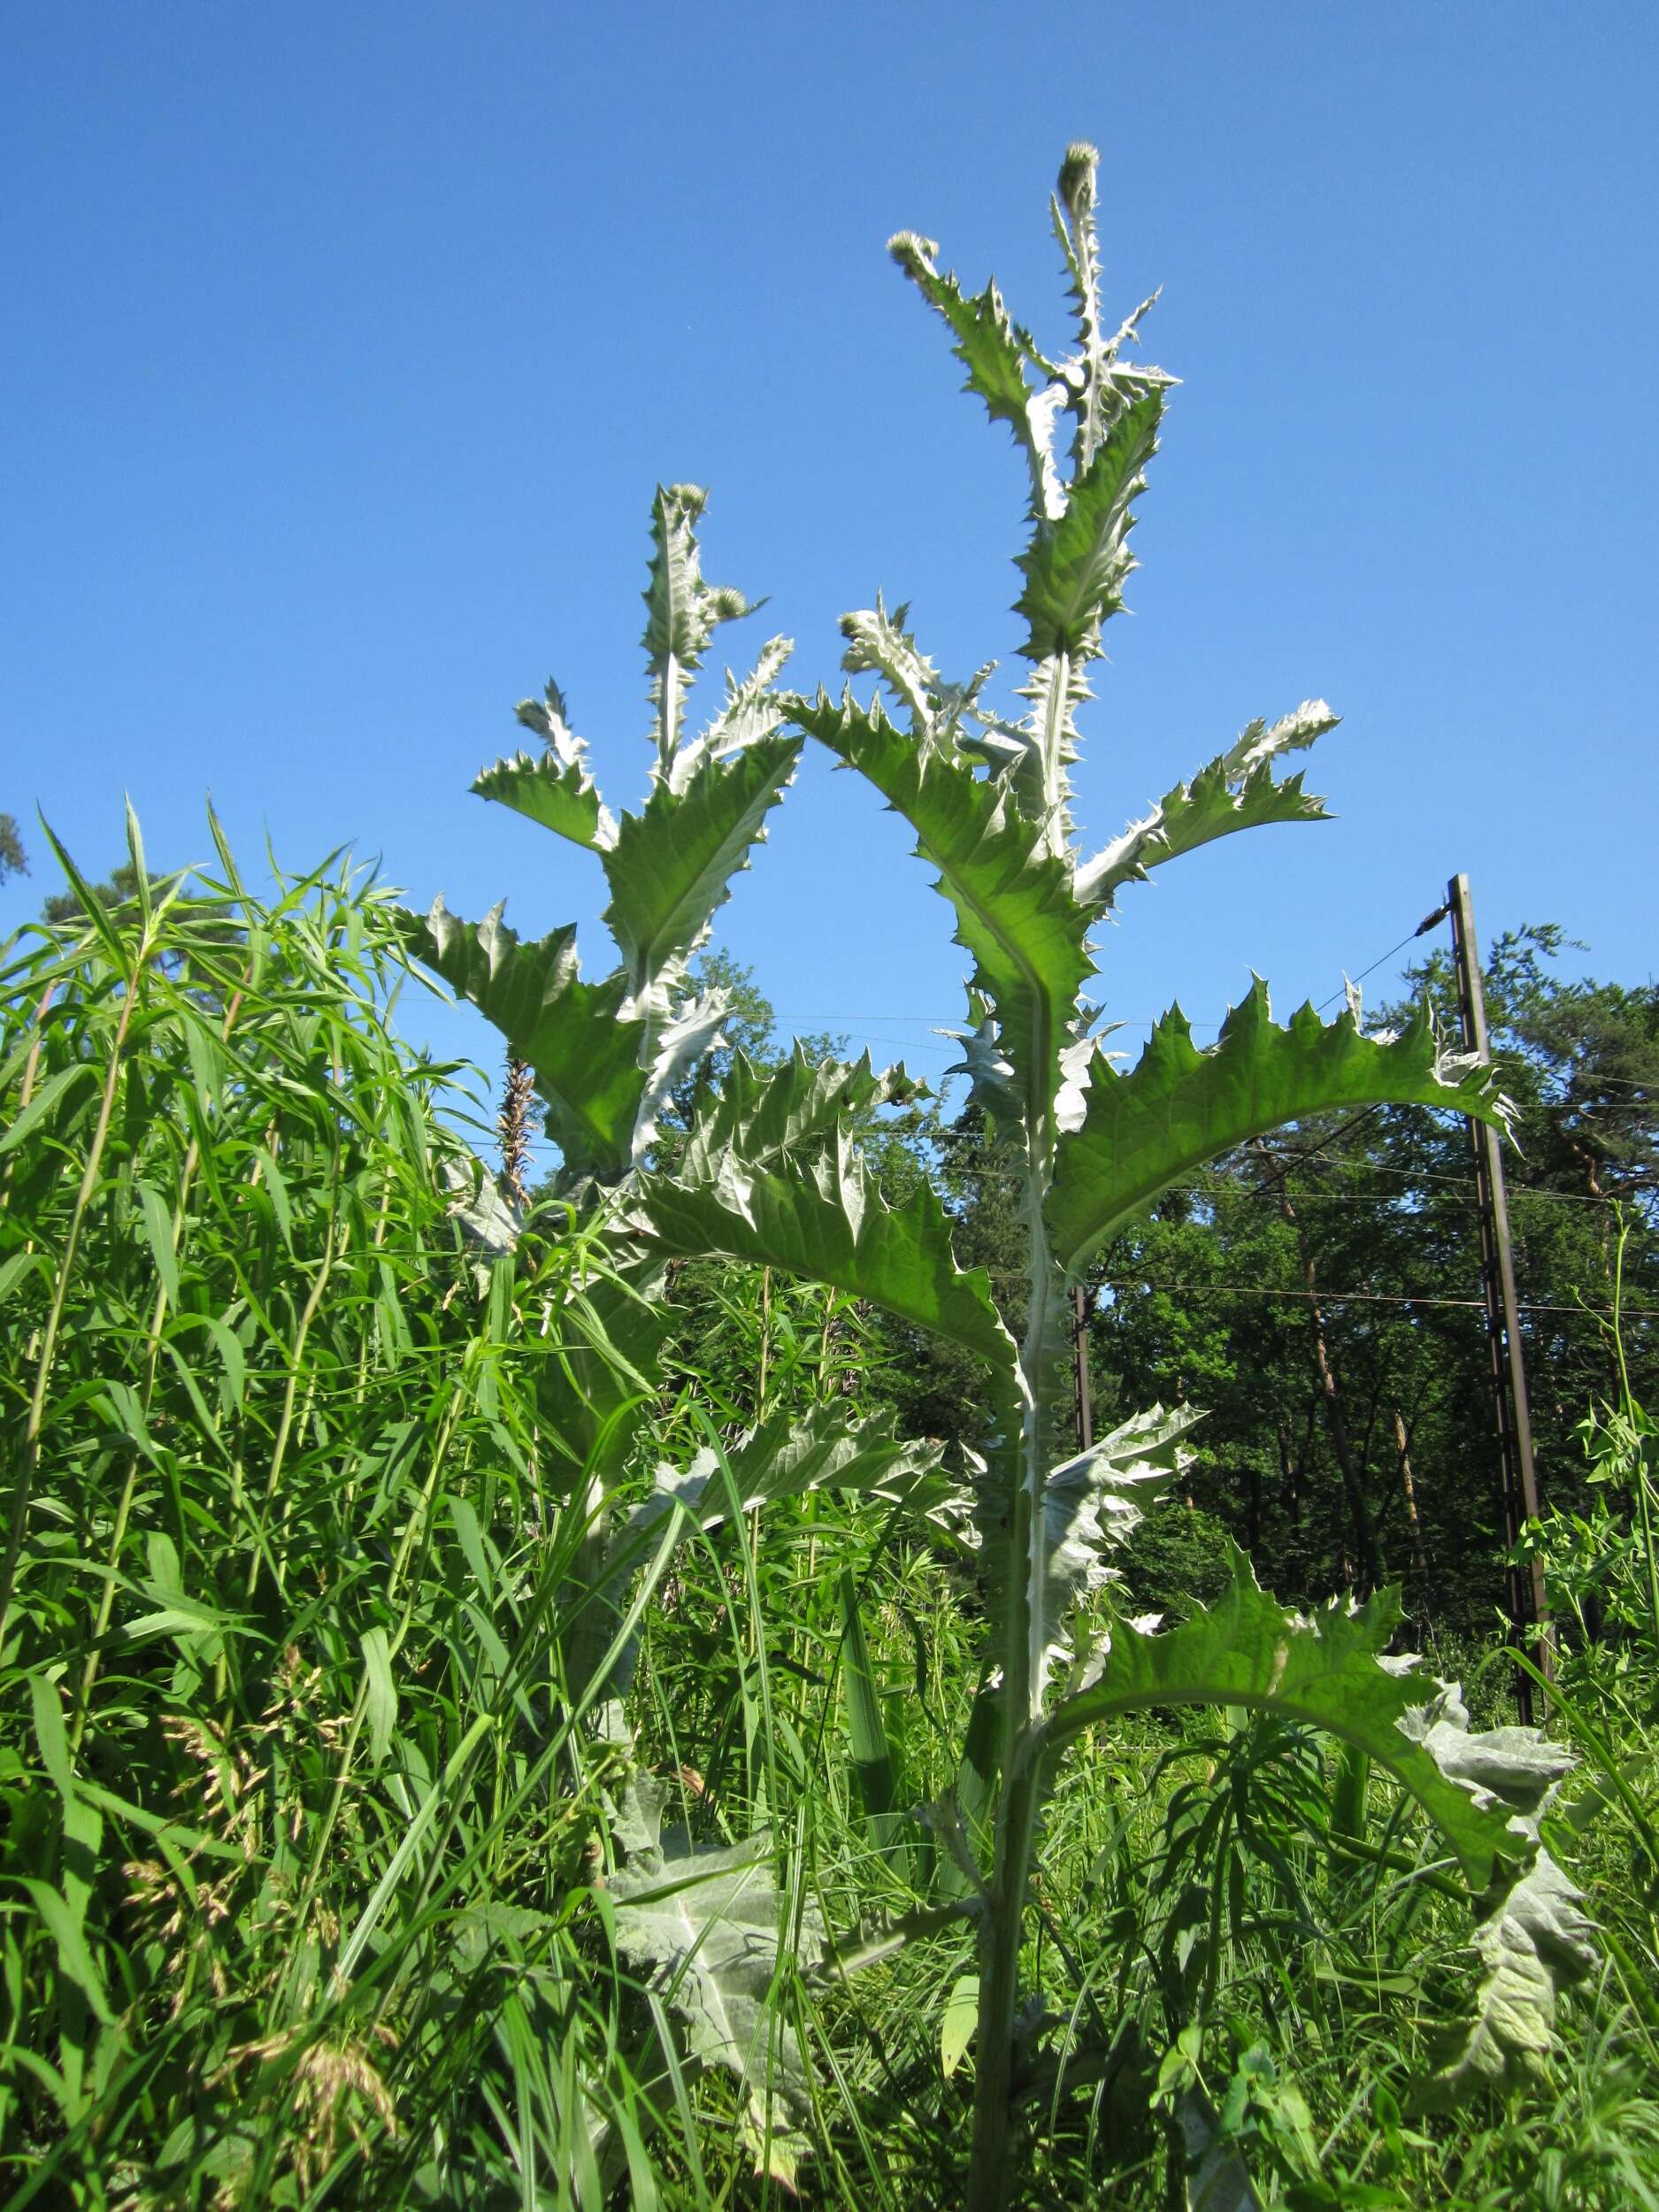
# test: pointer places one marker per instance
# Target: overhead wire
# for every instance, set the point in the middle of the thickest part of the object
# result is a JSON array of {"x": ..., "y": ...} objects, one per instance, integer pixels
[{"x": 1352, "y": 1297}]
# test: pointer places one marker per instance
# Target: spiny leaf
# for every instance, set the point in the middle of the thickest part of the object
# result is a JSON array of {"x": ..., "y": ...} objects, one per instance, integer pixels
[
  {"x": 765, "y": 1116},
  {"x": 995, "y": 354},
  {"x": 677, "y": 1046},
  {"x": 1533, "y": 1939},
  {"x": 705, "y": 1926},
  {"x": 1235, "y": 791},
  {"x": 1075, "y": 569},
  {"x": 784, "y": 1458},
  {"x": 670, "y": 868},
  {"x": 1485, "y": 1792},
  {"x": 1321, "y": 1669},
  {"x": 682, "y": 610},
  {"x": 752, "y": 711},
  {"x": 879, "y": 645},
  {"x": 1179, "y": 1107},
  {"x": 584, "y": 1053},
  {"x": 1098, "y": 385},
  {"x": 825, "y": 1220},
  {"x": 778, "y": 1459},
  {"x": 1014, "y": 909},
  {"x": 559, "y": 794},
  {"x": 1090, "y": 1505}
]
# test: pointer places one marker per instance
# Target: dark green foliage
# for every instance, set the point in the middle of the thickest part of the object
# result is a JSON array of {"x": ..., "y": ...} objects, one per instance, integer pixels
[{"x": 285, "y": 1752}]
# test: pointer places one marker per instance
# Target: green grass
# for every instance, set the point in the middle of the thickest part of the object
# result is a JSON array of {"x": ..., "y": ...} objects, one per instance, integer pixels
[{"x": 306, "y": 1832}]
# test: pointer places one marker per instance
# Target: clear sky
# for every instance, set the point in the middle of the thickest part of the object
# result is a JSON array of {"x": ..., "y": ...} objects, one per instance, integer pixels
[{"x": 345, "y": 344}]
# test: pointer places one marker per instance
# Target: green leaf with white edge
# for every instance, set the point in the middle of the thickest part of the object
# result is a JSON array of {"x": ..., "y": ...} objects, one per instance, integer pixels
[
  {"x": 995, "y": 353},
  {"x": 1321, "y": 1669},
  {"x": 780, "y": 1459},
  {"x": 678, "y": 1039},
  {"x": 786, "y": 1458},
  {"x": 1179, "y": 1107},
  {"x": 574, "y": 1034},
  {"x": 1016, "y": 912},
  {"x": 557, "y": 790},
  {"x": 1075, "y": 569},
  {"x": 558, "y": 795},
  {"x": 670, "y": 867},
  {"x": 682, "y": 611},
  {"x": 879, "y": 645},
  {"x": 751, "y": 712},
  {"x": 1236, "y": 791},
  {"x": 1091, "y": 1504},
  {"x": 1533, "y": 1939},
  {"x": 763, "y": 1117},
  {"x": 825, "y": 1221},
  {"x": 704, "y": 1926},
  {"x": 1098, "y": 384},
  {"x": 1485, "y": 1792}
]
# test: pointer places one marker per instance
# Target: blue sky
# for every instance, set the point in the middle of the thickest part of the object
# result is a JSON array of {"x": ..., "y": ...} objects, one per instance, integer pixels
[{"x": 346, "y": 344}]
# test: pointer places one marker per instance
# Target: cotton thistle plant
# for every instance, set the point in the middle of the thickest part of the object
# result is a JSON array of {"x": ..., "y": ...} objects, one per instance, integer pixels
[{"x": 771, "y": 1174}]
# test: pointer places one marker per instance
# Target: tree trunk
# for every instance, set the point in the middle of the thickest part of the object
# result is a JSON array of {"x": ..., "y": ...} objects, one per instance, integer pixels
[
  {"x": 1419, "y": 1557},
  {"x": 1353, "y": 1475}
]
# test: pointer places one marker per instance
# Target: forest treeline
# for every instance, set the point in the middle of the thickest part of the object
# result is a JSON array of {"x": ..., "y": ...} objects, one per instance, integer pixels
[
  {"x": 1320, "y": 1296},
  {"x": 308, "y": 1817}
]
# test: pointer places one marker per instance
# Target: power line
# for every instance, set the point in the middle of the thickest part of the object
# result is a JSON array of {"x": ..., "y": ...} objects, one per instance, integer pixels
[
  {"x": 1458, "y": 1186},
  {"x": 1352, "y": 1297}
]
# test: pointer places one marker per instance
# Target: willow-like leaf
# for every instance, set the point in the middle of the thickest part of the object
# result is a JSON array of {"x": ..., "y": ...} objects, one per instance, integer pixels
[
  {"x": 585, "y": 1054},
  {"x": 1236, "y": 791},
  {"x": 1179, "y": 1107},
  {"x": 866, "y": 1732}
]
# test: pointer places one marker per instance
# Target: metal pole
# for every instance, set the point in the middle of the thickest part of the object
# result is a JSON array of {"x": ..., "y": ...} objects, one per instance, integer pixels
[
  {"x": 1082, "y": 1305},
  {"x": 1528, "y": 1607}
]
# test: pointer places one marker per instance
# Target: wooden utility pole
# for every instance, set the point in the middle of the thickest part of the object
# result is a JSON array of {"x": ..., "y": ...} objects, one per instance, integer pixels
[{"x": 1528, "y": 1607}]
